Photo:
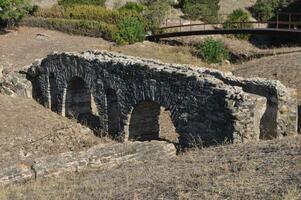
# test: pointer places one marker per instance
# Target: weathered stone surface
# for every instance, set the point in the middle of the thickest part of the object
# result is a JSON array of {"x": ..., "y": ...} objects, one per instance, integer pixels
[
  {"x": 100, "y": 157},
  {"x": 15, "y": 84},
  {"x": 205, "y": 105}
]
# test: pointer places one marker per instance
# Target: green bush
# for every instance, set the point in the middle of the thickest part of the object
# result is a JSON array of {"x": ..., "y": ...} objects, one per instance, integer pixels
[
  {"x": 134, "y": 7},
  {"x": 130, "y": 30},
  {"x": 11, "y": 11},
  {"x": 213, "y": 51},
  {"x": 206, "y": 10},
  {"x": 89, "y": 12},
  {"x": 238, "y": 15},
  {"x": 265, "y": 9},
  {"x": 67, "y": 3},
  {"x": 72, "y": 26}
]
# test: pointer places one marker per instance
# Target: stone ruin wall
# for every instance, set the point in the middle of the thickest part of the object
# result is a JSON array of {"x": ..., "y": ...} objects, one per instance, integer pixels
[{"x": 206, "y": 104}]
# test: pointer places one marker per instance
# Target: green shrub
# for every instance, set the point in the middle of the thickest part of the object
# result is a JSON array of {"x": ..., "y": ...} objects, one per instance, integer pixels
[
  {"x": 265, "y": 9},
  {"x": 134, "y": 7},
  {"x": 238, "y": 15},
  {"x": 72, "y": 26},
  {"x": 98, "y": 13},
  {"x": 130, "y": 30},
  {"x": 206, "y": 10},
  {"x": 11, "y": 11},
  {"x": 67, "y": 3},
  {"x": 213, "y": 51}
]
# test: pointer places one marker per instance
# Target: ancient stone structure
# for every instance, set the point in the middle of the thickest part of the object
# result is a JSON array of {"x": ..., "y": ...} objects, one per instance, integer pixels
[{"x": 124, "y": 96}]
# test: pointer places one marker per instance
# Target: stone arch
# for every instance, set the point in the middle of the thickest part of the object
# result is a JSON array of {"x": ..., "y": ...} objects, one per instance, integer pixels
[
  {"x": 150, "y": 121},
  {"x": 113, "y": 112},
  {"x": 79, "y": 103},
  {"x": 54, "y": 93}
]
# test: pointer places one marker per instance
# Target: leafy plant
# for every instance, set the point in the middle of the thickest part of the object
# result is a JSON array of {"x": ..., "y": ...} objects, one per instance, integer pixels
[
  {"x": 213, "y": 51},
  {"x": 11, "y": 11},
  {"x": 130, "y": 30},
  {"x": 240, "y": 16}
]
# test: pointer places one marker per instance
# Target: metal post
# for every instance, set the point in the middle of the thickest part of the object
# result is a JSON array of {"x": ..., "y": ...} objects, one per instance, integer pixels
[{"x": 277, "y": 21}]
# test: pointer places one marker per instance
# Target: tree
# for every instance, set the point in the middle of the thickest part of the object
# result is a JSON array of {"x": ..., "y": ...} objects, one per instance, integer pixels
[{"x": 11, "y": 11}]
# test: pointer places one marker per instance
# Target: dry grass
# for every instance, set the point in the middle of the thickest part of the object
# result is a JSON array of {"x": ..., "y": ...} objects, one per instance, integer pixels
[
  {"x": 266, "y": 170},
  {"x": 285, "y": 68}
]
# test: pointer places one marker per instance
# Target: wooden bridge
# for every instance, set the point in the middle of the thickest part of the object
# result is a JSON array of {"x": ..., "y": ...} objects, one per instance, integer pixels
[{"x": 285, "y": 27}]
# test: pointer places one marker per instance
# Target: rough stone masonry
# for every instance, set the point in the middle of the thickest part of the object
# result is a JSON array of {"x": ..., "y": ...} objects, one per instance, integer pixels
[{"x": 122, "y": 96}]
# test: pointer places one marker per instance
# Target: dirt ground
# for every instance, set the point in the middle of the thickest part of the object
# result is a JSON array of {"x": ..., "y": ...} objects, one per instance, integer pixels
[{"x": 21, "y": 47}]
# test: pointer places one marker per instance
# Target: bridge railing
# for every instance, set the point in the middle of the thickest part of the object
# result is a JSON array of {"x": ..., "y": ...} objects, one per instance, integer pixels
[{"x": 188, "y": 25}]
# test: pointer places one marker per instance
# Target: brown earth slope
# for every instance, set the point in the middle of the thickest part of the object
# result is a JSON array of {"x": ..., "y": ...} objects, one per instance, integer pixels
[{"x": 28, "y": 130}]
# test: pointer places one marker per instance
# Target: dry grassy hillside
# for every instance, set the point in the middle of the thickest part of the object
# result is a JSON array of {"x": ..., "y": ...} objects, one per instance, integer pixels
[
  {"x": 28, "y": 130},
  {"x": 285, "y": 68},
  {"x": 268, "y": 170}
]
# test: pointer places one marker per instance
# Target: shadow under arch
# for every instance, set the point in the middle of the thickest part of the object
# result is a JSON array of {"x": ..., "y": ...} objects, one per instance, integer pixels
[
  {"x": 113, "y": 113},
  {"x": 150, "y": 121},
  {"x": 78, "y": 103}
]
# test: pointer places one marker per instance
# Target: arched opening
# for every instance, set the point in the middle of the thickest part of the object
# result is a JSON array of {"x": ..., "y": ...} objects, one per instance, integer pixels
[
  {"x": 79, "y": 103},
  {"x": 150, "y": 121},
  {"x": 113, "y": 113},
  {"x": 54, "y": 105}
]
